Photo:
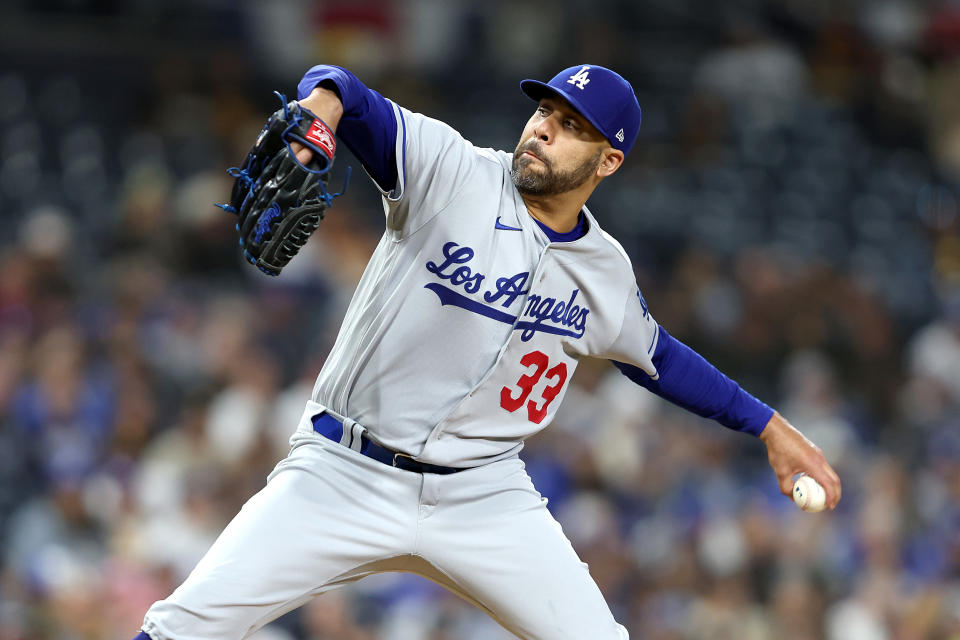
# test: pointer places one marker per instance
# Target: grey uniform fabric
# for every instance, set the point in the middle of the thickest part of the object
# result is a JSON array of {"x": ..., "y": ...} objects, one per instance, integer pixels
[{"x": 462, "y": 286}]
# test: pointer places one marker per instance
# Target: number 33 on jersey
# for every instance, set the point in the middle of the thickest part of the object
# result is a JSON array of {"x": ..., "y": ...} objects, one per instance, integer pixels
[{"x": 557, "y": 374}]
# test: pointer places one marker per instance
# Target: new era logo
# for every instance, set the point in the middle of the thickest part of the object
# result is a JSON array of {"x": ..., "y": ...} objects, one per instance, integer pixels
[
  {"x": 620, "y": 135},
  {"x": 580, "y": 78}
]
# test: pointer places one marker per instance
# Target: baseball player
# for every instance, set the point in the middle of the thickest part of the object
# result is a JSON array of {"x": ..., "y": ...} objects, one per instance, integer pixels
[{"x": 491, "y": 281}]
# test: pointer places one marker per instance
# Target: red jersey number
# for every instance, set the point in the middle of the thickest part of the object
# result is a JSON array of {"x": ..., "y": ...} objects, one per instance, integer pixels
[{"x": 540, "y": 363}]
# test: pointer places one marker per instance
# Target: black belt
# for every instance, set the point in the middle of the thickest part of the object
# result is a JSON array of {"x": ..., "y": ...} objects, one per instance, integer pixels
[{"x": 332, "y": 429}]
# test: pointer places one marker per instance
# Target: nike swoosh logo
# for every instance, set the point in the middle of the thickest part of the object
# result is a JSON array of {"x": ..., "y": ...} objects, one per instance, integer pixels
[{"x": 500, "y": 225}]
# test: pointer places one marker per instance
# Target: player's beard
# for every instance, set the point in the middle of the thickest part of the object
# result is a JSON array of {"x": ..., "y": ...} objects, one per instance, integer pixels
[{"x": 548, "y": 182}]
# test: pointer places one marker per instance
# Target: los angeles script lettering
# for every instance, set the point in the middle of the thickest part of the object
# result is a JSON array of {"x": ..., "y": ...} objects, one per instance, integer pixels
[{"x": 544, "y": 310}]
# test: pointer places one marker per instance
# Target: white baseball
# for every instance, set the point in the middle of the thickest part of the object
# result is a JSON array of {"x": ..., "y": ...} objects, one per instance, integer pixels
[{"x": 808, "y": 494}]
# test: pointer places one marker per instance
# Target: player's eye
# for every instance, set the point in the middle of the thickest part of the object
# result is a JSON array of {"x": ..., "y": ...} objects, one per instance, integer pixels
[
  {"x": 542, "y": 112},
  {"x": 571, "y": 124}
]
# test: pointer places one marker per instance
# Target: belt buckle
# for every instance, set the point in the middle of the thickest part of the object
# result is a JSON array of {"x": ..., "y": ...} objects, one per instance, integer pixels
[{"x": 398, "y": 454}]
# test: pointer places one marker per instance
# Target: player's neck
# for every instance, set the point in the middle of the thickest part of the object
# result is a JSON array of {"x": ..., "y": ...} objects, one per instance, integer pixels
[{"x": 559, "y": 212}]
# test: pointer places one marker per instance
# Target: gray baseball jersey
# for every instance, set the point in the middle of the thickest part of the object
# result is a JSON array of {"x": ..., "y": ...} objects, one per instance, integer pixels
[{"x": 468, "y": 322}]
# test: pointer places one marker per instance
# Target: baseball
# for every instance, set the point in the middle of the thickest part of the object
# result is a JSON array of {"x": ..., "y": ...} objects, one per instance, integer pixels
[{"x": 808, "y": 494}]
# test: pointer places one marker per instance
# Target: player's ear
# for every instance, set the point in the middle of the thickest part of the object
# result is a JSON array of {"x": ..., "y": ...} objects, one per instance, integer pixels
[{"x": 611, "y": 161}]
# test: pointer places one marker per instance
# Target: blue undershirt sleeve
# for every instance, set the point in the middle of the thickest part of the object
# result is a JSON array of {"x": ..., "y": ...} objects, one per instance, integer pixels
[
  {"x": 368, "y": 126},
  {"x": 687, "y": 380}
]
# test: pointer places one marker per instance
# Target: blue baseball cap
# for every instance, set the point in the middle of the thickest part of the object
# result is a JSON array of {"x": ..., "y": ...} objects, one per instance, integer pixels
[{"x": 600, "y": 95}]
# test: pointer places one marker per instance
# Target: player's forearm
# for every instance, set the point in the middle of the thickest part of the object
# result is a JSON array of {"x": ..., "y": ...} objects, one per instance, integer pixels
[
  {"x": 689, "y": 381},
  {"x": 365, "y": 122},
  {"x": 326, "y": 105}
]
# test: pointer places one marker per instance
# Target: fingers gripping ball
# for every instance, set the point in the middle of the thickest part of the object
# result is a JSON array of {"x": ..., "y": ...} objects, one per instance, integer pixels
[
  {"x": 279, "y": 201},
  {"x": 808, "y": 494}
]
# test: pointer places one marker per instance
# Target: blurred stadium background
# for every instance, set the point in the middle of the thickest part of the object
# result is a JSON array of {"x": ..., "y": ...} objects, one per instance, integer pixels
[{"x": 791, "y": 209}]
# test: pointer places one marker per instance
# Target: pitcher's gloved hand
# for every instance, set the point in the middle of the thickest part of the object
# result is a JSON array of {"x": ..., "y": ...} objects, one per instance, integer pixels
[{"x": 278, "y": 200}]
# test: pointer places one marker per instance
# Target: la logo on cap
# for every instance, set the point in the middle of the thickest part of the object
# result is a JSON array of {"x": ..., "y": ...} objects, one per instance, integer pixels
[
  {"x": 580, "y": 79},
  {"x": 620, "y": 135}
]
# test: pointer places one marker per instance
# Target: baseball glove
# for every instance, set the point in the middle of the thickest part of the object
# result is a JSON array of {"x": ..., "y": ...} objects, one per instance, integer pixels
[{"x": 278, "y": 200}]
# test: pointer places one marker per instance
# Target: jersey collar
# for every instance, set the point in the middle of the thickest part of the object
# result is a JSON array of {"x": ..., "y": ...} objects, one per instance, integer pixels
[{"x": 576, "y": 233}]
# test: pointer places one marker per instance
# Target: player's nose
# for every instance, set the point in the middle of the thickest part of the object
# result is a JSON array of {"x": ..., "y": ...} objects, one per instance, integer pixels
[{"x": 544, "y": 130}]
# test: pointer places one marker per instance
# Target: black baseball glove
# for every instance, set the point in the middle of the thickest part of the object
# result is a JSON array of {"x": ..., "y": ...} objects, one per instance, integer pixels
[{"x": 279, "y": 201}]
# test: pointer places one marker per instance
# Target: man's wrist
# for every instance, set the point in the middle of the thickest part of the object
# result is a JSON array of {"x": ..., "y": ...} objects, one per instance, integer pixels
[
  {"x": 325, "y": 104},
  {"x": 774, "y": 424}
]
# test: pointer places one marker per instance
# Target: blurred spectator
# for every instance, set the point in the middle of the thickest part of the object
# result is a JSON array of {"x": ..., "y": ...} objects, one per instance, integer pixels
[{"x": 760, "y": 78}]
